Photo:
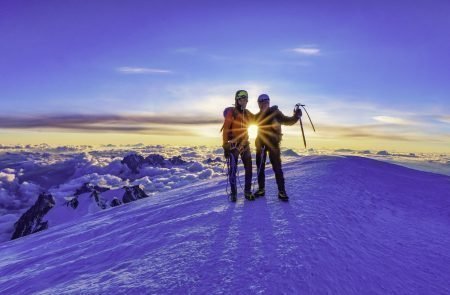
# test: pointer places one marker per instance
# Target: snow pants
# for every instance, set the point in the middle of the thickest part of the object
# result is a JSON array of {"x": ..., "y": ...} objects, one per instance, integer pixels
[
  {"x": 275, "y": 159},
  {"x": 247, "y": 160}
]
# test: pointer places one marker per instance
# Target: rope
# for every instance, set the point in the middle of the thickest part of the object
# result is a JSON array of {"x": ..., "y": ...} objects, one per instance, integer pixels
[
  {"x": 232, "y": 168},
  {"x": 263, "y": 149},
  {"x": 228, "y": 177},
  {"x": 239, "y": 179},
  {"x": 234, "y": 146}
]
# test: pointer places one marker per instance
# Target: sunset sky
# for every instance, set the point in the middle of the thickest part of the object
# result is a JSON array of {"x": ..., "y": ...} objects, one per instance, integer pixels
[{"x": 373, "y": 74}]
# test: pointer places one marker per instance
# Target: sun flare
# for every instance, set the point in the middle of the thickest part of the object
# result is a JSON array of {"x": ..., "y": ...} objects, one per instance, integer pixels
[{"x": 252, "y": 131}]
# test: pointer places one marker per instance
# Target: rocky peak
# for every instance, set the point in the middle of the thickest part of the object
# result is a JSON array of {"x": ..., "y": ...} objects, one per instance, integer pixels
[
  {"x": 31, "y": 221},
  {"x": 100, "y": 202},
  {"x": 134, "y": 162},
  {"x": 73, "y": 202},
  {"x": 177, "y": 160},
  {"x": 155, "y": 160},
  {"x": 133, "y": 193},
  {"x": 115, "y": 202},
  {"x": 89, "y": 188},
  {"x": 37, "y": 219},
  {"x": 216, "y": 160}
]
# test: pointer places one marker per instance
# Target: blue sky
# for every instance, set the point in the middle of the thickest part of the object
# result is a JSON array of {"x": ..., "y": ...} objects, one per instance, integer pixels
[{"x": 378, "y": 67}]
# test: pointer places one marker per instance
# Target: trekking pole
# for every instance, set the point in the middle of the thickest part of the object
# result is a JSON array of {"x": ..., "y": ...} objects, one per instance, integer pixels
[{"x": 297, "y": 107}]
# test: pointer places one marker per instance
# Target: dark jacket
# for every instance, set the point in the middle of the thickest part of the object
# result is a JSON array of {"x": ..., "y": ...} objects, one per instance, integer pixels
[{"x": 269, "y": 126}]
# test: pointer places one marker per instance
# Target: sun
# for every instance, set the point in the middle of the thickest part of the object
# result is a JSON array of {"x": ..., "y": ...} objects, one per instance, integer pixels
[{"x": 252, "y": 131}]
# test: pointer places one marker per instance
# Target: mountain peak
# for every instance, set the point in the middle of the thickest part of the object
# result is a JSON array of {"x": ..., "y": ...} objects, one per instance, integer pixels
[
  {"x": 48, "y": 211},
  {"x": 31, "y": 221}
]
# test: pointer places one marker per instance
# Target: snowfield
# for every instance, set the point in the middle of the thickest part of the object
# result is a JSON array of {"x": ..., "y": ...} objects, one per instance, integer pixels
[{"x": 353, "y": 225}]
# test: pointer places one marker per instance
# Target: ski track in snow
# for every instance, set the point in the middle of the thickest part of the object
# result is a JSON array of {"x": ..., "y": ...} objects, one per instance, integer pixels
[{"x": 352, "y": 226}]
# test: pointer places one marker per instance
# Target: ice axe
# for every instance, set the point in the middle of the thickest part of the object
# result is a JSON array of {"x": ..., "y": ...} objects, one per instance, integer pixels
[{"x": 296, "y": 109}]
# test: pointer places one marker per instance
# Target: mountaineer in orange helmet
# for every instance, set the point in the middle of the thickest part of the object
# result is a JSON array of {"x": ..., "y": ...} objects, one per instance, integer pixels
[{"x": 235, "y": 143}]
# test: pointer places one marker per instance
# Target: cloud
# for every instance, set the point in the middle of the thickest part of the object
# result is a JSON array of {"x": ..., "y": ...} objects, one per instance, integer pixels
[
  {"x": 137, "y": 70},
  {"x": 392, "y": 120},
  {"x": 444, "y": 119},
  {"x": 16, "y": 196},
  {"x": 210, "y": 98},
  {"x": 206, "y": 174},
  {"x": 373, "y": 131},
  {"x": 70, "y": 187},
  {"x": 307, "y": 50},
  {"x": 156, "y": 124},
  {"x": 378, "y": 136},
  {"x": 373, "y": 120},
  {"x": 6, "y": 177},
  {"x": 9, "y": 170},
  {"x": 29, "y": 193},
  {"x": 11, "y": 147}
]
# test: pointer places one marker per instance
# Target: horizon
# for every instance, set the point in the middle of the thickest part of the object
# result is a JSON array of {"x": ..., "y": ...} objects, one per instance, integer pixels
[
  {"x": 372, "y": 76},
  {"x": 297, "y": 148}
]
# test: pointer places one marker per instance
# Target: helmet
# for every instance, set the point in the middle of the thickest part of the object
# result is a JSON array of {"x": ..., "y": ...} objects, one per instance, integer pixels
[
  {"x": 263, "y": 97},
  {"x": 240, "y": 93}
]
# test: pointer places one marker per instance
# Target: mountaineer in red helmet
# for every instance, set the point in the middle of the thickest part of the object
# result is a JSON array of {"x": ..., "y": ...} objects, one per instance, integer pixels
[{"x": 235, "y": 143}]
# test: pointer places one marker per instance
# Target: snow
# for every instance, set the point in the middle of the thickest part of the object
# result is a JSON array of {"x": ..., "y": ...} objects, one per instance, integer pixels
[
  {"x": 6, "y": 177},
  {"x": 352, "y": 226}
]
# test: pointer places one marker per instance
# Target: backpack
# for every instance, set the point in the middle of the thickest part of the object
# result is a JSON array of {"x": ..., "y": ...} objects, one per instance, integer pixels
[{"x": 227, "y": 111}]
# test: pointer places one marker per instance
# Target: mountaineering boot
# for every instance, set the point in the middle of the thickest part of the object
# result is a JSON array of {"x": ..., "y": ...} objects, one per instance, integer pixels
[
  {"x": 260, "y": 193},
  {"x": 249, "y": 196},
  {"x": 283, "y": 196},
  {"x": 233, "y": 197}
]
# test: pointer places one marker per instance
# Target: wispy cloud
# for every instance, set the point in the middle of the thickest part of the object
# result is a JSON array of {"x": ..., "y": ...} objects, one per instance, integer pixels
[
  {"x": 307, "y": 50},
  {"x": 373, "y": 131},
  {"x": 360, "y": 121},
  {"x": 137, "y": 70},
  {"x": 156, "y": 124},
  {"x": 211, "y": 98},
  {"x": 393, "y": 120},
  {"x": 444, "y": 119}
]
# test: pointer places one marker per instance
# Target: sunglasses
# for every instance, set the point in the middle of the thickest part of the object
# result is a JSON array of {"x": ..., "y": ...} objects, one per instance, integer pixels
[
  {"x": 242, "y": 97},
  {"x": 263, "y": 100}
]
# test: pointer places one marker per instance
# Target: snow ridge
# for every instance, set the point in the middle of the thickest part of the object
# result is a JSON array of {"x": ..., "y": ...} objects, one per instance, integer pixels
[{"x": 352, "y": 226}]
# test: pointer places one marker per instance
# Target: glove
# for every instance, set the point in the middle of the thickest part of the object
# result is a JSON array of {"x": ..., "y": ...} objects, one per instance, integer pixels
[
  {"x": 298, "y": 113},
  {"x": 226, "y": 150}
]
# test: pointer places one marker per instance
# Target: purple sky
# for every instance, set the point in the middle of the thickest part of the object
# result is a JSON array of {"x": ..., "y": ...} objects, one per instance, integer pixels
[{"x": 377, "y": 58}]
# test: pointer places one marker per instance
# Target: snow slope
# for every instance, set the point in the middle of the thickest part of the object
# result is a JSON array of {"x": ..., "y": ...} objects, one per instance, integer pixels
[{"x": 353, "y": 226}]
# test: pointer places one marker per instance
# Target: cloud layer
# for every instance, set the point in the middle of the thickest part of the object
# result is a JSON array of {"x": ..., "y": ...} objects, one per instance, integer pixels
[
  {"x": 26, "y": 171},
  {"x": 108, "y": 123}
]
